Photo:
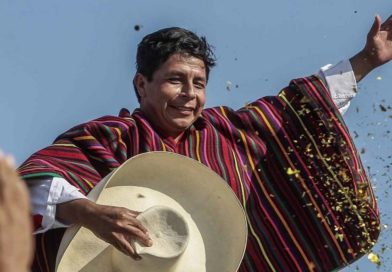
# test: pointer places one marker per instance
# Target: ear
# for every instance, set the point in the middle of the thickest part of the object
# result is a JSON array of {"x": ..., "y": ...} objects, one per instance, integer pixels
[{"x": 140, "y": 83}]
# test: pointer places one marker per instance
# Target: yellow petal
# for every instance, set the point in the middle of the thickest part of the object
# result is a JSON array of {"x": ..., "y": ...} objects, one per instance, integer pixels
[
  {"x": 374, "y": 258},
  {"x": 291, "y": 171}
]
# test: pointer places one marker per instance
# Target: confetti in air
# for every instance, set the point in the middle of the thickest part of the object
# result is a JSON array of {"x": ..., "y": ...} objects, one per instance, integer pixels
[
  {"x": 374, "y": 258},
  {"x": 228, "y": 85},
  {"x": 291, "y": 171}
]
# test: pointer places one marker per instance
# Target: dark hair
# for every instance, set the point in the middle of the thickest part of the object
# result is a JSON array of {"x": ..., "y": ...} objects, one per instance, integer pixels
[{"x": 158, "y": 46}]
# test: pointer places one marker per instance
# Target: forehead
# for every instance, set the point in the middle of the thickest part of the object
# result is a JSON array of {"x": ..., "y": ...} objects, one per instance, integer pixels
[{"x": 180, "y": 63}]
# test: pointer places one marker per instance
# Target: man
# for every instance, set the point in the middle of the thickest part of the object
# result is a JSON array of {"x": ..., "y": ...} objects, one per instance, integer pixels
[{"x": 288, "y": 158}]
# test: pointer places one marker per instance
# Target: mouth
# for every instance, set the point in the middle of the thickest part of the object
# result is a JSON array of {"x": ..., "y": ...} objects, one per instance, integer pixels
[{"x": 183, "y": 109}]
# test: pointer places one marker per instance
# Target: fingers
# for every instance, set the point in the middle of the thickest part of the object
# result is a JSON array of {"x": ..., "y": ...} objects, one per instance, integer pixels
[
  {"x": 142, "y": 237},
  {"x": 375, "y": 27},
  {"x": 16, "y": 240},
  {"x": 10, "y": 184},
  {"x": 125, "y": 247},
  {"x": 132, "y": 227},
  {"x": 119, "y": 227},
  {"x": 6, "y": 167},
  {"x": 124, "y": 241},
  {"x": 127, "y": 217},
  {"x": 138, "y": 224},
  {"x": 387, "y": 25},
  {"x": 9, "y": 160},
  {"x": 9, "y": 178}
]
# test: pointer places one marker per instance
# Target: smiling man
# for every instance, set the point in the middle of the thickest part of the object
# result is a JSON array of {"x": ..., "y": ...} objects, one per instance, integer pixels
[
  {"x": 289, "y": 158},
  {"x": 175, "y": 98}
]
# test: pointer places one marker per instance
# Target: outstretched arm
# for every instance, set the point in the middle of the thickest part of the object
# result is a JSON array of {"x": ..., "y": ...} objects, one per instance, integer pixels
[{"x": 377, "y": 50}]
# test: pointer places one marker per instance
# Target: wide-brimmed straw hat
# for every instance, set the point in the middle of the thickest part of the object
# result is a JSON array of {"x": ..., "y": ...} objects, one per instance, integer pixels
[{"x": 194, "y": 219}]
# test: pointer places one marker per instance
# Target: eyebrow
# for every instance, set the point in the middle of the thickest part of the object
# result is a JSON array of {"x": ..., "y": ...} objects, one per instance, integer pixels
[{"x": 182, "y": 74}]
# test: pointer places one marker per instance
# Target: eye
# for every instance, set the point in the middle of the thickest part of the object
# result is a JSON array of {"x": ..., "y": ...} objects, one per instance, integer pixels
[
  {"x": 174, "y": 80},
  {"x": 200, "y": 85}
]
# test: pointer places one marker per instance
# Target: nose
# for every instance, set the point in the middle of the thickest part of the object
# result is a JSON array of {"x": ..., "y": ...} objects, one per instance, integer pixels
[{"x": 188, "y": 90}]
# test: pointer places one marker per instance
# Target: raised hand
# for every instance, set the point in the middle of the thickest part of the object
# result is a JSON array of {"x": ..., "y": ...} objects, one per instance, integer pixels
[
  {"x": 379, "y": 42},
  {"x": 16, "y": 233},
  {"x": 377, "y": 50}
]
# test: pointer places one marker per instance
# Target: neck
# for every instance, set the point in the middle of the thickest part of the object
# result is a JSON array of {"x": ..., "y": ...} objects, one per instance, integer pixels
[{"x": 164, "y": 133}]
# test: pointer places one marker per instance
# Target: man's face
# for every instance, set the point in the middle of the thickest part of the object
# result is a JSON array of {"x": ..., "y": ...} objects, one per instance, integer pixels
[{"x": 175, "y": 96}]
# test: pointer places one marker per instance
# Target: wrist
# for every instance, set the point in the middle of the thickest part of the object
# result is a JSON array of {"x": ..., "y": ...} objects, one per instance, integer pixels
[
  {"x": 74, "y": 212},
  {"x": 372, "y": 60},
  {"x": 362, "y": 63}
]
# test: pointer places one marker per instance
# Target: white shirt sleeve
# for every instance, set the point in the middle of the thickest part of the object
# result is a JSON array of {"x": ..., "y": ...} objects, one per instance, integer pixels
[
  {"x": 45, "y": 194},
  {"x": 341, "y": 83}
]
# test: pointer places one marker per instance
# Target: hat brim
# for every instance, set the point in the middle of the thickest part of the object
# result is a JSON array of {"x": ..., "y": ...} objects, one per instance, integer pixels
[{"x": 212, "y": 204}]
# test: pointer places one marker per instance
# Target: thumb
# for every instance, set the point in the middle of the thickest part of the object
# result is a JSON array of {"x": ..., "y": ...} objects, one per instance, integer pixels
[{"x": 375, "y": 27}]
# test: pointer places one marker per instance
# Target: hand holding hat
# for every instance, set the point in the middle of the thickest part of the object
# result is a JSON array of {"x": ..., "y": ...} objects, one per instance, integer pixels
[
  {"x": 116, "y": 225},
  {"x": 211, "y": 239}
]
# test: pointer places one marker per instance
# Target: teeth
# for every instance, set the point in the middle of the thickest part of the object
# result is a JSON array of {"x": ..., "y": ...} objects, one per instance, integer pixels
[{"x": 184, "y": 108}]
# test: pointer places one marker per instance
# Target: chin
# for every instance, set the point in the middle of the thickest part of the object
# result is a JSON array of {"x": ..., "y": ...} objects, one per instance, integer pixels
[
  {"x": 182, "y": 127},
  {"x": 183, "y": 124}
]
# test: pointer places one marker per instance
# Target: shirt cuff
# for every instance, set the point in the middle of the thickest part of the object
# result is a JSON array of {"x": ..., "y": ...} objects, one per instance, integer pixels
[
  {"x": 60, "y": 191},
  {"x": 341, "y": 83}
]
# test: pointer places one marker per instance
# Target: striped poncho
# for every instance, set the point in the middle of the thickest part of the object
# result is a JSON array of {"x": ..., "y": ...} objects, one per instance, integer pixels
[{"x": 289, "y": 159}]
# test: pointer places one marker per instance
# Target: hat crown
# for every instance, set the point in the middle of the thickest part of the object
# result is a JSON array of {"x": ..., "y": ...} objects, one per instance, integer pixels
[{"x": 168, "y": 230}]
